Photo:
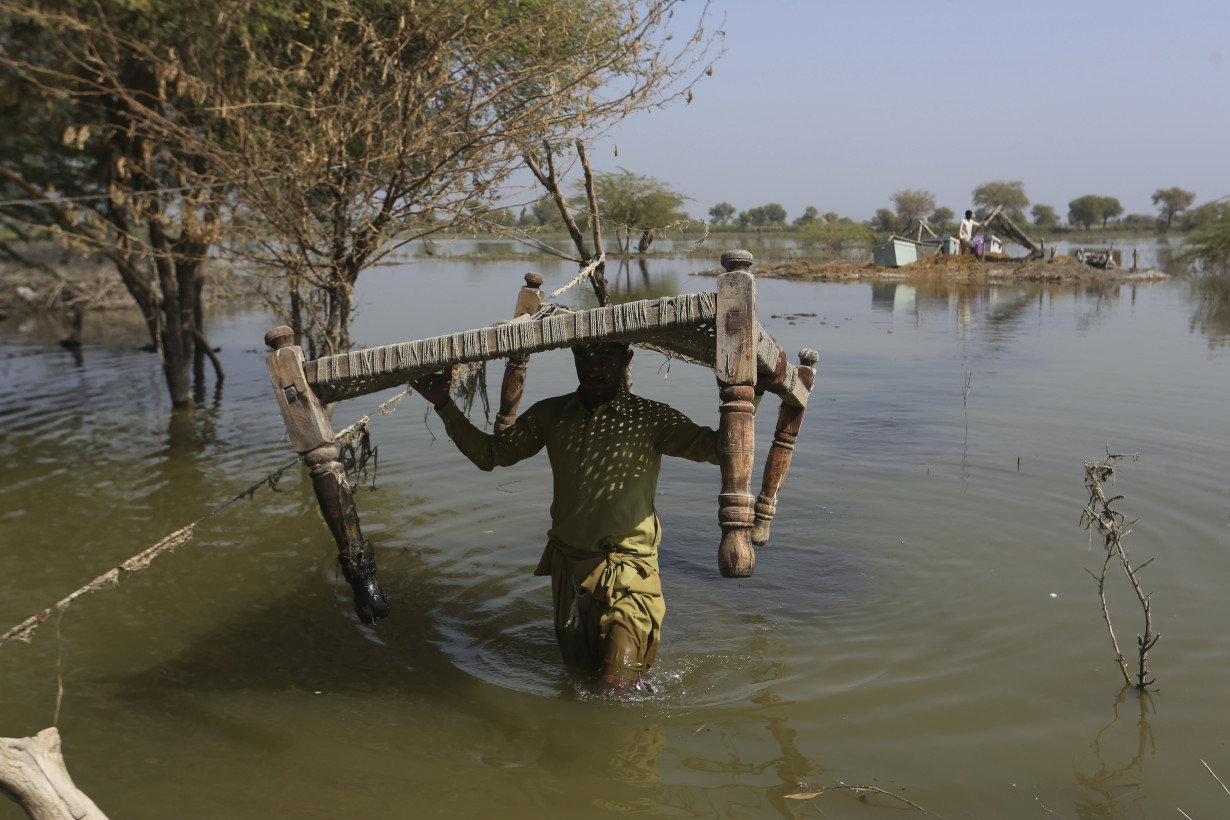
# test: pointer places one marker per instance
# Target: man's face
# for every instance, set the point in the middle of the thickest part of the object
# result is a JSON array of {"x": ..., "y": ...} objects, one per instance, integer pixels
[{"x": 599, "y": 370}]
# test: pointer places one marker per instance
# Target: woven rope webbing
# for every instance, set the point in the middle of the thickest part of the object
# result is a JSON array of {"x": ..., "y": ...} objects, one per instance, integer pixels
[
  {"x": 682, "y": 326},
  {"x": 682, "y": 323}
]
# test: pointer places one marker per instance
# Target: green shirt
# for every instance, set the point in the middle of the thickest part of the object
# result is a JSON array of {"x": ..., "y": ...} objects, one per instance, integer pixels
[{"x": 605, "y": 465}]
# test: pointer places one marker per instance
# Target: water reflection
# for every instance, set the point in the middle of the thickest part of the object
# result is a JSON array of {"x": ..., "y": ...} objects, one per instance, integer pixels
[
  {"x": 1111, "y": 783},
  {"x": 1211, "y": 292},
  {"x": 630, "y": 281},
  {"x": 237, "y": 660},
  {"x": 996, "y": 312},
  {"x": 791, "y": 767},
  {"x": 623, "y": 277}
]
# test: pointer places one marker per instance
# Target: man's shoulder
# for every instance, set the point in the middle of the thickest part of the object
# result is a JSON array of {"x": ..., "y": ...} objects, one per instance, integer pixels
[
  {"x": 553, "y": 406},
  {"x": 639, "y": 405}
]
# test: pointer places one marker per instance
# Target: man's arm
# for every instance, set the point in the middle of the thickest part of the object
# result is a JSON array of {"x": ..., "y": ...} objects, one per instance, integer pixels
[
  {"x": 486, "y": 451},
  {"x": 684, "y": 438}
]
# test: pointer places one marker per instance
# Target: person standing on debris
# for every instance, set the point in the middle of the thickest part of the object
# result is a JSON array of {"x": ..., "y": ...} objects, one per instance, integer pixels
[
  {"x": 965, "y": 234},
  {"x": 606, "y": 446}
]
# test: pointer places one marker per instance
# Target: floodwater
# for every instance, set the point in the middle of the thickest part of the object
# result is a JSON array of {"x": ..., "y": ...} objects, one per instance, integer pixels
[{"x": 923, "y": 622}]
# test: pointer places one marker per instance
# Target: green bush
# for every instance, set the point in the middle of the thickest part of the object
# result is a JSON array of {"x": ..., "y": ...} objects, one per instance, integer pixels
[{"x": 838, "y": 238}]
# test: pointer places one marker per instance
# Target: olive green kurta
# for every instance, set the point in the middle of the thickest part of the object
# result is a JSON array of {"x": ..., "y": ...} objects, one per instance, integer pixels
[{"x": 602, "y": 549}]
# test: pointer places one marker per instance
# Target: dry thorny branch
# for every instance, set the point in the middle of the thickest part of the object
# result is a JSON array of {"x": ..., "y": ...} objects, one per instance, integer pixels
[{"x": 1113, "y": 527}]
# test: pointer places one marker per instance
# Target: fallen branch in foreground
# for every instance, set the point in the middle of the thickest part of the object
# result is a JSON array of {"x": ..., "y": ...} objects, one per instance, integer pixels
[{"x": 32, "y": 773}]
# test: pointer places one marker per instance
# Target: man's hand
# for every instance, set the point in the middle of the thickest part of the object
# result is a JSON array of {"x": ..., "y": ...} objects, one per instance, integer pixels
[{"x": 434, "y": 387}]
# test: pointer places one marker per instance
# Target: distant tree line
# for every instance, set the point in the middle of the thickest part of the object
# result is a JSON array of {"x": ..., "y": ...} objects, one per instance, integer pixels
[
  {"x": 911, "y": 206},
  {"x": 643, "y": 205},
  {"x": 657, "y": 205}
]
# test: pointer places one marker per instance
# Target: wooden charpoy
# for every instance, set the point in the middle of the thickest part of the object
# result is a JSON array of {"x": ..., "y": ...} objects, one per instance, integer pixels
[{"x": 718, "y": 330}]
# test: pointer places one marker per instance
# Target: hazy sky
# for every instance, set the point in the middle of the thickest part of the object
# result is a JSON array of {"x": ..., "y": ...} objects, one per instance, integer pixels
[{"x": 841, "y": 104}]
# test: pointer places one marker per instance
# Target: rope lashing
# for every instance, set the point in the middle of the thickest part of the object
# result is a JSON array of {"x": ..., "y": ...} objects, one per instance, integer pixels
[
  {"x": 24, "y": 631},
  {"x": 586, "y": 273}
]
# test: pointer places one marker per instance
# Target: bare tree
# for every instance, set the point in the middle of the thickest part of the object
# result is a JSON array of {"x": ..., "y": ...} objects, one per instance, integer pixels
[
  {"x": 592, "y": 261},
  {"x": 104, "y": 151},
  {"x": 413, "y": 124},
  {"x": 308, "y": 145}
]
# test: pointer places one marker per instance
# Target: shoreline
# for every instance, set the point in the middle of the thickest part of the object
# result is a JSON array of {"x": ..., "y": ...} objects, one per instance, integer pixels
[
  {"x": 66, "y": 282},
  {"x": 1000, "y": 269}
]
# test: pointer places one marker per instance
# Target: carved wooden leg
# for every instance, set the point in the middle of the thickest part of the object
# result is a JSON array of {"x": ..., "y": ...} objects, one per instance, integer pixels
[
  {"x": 789, "y": 420},
  {"x": 354, "y": 552},
  {"x": 510, "y": 391},
  {"x": 736, "y": 373},
  {"x": 311, "y": 434},
  {"x": 736, "y": 504},
  {"x": 528, "y": 302}
]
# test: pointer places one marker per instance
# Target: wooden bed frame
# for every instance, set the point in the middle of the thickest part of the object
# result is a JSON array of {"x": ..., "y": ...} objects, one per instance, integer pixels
[{"x": 717, "y": 330}]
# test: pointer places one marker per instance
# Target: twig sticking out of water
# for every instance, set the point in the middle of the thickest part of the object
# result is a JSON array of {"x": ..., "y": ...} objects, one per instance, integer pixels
[
  {"x": 1113, "y": 527},
  {"x": 1215, "y": 777},
  {"x": 806, "y": 792}
]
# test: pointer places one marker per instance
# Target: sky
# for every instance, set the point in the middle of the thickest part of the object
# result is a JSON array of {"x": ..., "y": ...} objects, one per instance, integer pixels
[{"x": 839, "y": 105}]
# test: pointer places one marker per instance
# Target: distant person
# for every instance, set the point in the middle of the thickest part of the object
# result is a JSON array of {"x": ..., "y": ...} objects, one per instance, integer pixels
[{"x": 965, "y": 234}]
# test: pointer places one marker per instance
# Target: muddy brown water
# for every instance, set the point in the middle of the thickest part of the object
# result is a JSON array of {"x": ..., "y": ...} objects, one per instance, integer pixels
[{"x": 922, "y": 622}]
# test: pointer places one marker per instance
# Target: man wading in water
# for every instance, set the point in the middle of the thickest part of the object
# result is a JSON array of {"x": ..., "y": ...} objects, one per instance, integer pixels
[{"x": 606, "y": 447}]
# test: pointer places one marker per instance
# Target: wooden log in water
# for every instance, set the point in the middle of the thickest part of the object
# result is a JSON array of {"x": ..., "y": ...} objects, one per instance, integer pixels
[
  {"x": 32, "y": 773},
  {"x": 311, "y": 435},
  {"x": 777, "y": 463},
  {"x": 529, "y": 300},
  {"x": 736, "y": 374}
]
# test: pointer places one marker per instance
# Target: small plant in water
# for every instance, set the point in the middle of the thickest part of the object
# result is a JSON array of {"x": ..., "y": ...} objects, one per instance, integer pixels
[{"x": 1113, "y": 527}]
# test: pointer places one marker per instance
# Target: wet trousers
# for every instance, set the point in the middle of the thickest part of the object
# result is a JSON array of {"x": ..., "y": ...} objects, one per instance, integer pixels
[{"x": 608, "y": 611}]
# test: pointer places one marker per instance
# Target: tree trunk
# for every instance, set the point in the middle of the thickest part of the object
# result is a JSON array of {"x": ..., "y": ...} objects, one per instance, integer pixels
[{"x": 177, "y": 278}]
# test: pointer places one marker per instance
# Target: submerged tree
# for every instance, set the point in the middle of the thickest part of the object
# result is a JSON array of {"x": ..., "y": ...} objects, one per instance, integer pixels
[
  {"x": 634, "y": 203},
  {"x": 108, "y": 147},
  {"x": 324, "y": 137}
]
